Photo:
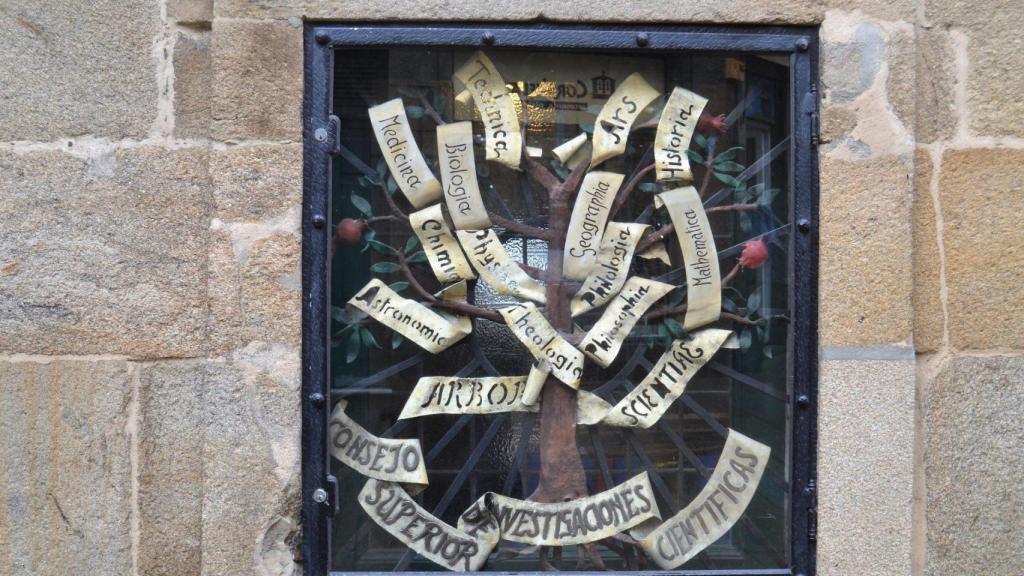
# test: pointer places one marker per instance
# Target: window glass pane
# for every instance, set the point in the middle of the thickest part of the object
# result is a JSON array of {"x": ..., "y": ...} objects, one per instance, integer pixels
[{"x": 747, "y": 196}]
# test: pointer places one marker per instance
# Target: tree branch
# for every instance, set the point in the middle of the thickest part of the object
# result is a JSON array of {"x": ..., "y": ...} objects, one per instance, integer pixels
[
  {"x": 568, "y": 188},
  {"x": 463, "y": 308},
  {"x": 430, "y": 110},
  {"x": 540, "y": 173},
  {"x": 634, "y": 181},
  {"x": 520, "y": 228}
]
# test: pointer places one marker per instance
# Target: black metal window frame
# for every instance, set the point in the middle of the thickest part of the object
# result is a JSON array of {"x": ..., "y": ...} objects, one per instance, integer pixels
[{"x": 321, "y": 135}]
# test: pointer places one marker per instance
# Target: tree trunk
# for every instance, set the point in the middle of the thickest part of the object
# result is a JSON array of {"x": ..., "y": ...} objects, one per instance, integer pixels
[{"x": 561, "y": 468}]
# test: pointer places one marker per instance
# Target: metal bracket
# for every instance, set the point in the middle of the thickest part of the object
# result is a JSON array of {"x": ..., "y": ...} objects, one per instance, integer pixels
[
  {"x": 812, "y": 511},
  {"x": 810, "y": 107},
  {"x": 335, "y": 134},
  {"x": 333, "y": 502}
]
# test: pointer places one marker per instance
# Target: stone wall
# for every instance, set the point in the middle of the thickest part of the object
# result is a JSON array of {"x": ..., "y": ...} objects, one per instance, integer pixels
[{"x": 150, "y": 166}]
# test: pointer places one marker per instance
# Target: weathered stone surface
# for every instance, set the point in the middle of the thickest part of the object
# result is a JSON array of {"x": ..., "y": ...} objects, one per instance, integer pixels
[
  {"x": 255, "y": 295},
  {"x": 104, "y": 254},
  {"x": 256, "y": 182},
  {"x": 975, "y": 511},
  {"x": 982, "y": 195},
  {"x": 868, "y": 73},
  {"x": 929, "y": 320},
  {"x": 865, "y": 466},
  {"x": 995, "y": 51},
  {"x": 65, "y": 482},
  {"x": 837, "y": 122},
  {"x": 706, "y": 11},
  {"x": 251, "y": 462},
  {"x": 878, "y": 9},
  {"x": 865, "y": 257},
  {"x": 257, "y": 91},
  {"x": 937, "y": 115},
  {"x": 65, "y": 74},
  {"x": 192, "y": 85},
  {"x": 170, "y": 467},
  {"x": 851, "y": 64},
  {"x": 190, "y": 11}
]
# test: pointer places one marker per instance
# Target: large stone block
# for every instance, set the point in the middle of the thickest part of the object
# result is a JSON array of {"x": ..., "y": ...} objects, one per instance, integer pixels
[
  {"x": 937, "y": 115},
  {"x": 256, "y": 182},
  {"x": 256, "y": 293},
  {"x": 995, "y": 55},
  {"x": 865, "y": 260},
  {"x": 865, "y": 466},
  {"x": 190, "y": 11},
  {"x": 170, "y": 472},
  {"x": 982, "y": 195},
  {"x": 192, "y": 85},
  {"x": 867, "y": 75},
  {"x": 104, "y": 253},
  {"x": 66, "y": 477},
  {"x": 251, "y": 457},
  {"x": 257, "y": 92},
  {"x": 672, "y": 11},
  {"x": 975, "y": 511},
  {"x": 929, "y": 317},
  {"x": 66, "y": 72}
]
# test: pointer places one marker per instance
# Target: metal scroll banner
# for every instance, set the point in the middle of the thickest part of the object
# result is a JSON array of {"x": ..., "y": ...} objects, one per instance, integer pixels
[
  {"x": 628, "y": 507},
  {"x": 403, "y": 156},
  {"x": 496, "y": 267},
  {"x": 700, "y": 258},
  {"x": 503, "y": 140},
  {"x": 609, "y": 273},
  {"x": 605, "y": 338},
  {"x": 381, "y": 458},
  {"x": 442, "y": 249},
  {"x": 544, "y": 342},
  {"x": 617, "y": 116},
  {"x": 486, "y": 395},
  {"x": 394, "y": 510},
  {"x": 458, "y": 173},
  {"x": 716, "y": 509},
  {"x": 579, "y": 521},
  {"x": 428, "y": 329},
  {"x": 586, "y": 226},
  {"x": 566, "y": 150},
  {"x": 675, "y": 129}
]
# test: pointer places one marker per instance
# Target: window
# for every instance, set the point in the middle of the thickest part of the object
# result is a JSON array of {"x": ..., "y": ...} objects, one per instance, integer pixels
[{"x": 564, "y": 188}]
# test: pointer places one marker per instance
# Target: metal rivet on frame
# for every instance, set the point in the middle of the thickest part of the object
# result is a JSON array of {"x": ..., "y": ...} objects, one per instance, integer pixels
[
  {"x": 803, "y": 401},
  {"x": 488, "y": 38},
  {"x": 319, "y": 495},
  {"x": 317, "y": 399},
  {"x": 322, "y": 37},
  {"x": 320, "y": 135},
  {"x": 643, "y": 39},
  {"x": 802, "y": 44},
  {"x": 803, "y": 225},
  {"x": 319, "y": 221}
]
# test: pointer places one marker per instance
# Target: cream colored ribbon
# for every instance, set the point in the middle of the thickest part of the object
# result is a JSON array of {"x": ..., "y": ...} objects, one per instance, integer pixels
[
  {"x": 611, "y": 129},
  {"x": 504, "y": 142},
  {"x": 496, "y": 267},
  {"x": 675, "y": 129},
  {"x": 442, "y": 249},
  {"x": 720, "y": 504},
  {"x": 609, "y": 273},
  {"x": 586, "y": 226},
  {"x": 458, "y": 175},
  {"x": 392, "y": 508},
  {"x": 402, "y": 154},
  {"x": 700, "y": 257},
  {"x": 569, "y": 148},
  {"x": 604, "y": 340},
  {"x": 579, "y": 521},
  {"x": 381, "y": 458},
  {"x": 544, "y": 342},
  {"x": 658, "y": 252},
  {"x": 428, "y": 329},
  {"x": 644, "y": 405},
  {"x": 485, "y": 395}
]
